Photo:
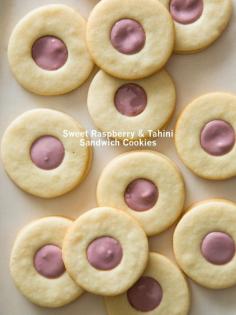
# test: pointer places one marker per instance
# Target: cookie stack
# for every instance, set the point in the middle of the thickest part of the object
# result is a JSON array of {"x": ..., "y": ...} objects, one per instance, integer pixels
[
  {"x": 139, "y": 194},
  {"x": 132, "y": 45},
  {"x": 105, "y": 252}
]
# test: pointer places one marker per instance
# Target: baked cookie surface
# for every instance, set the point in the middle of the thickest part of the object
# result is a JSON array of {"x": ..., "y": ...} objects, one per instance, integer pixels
[
  {"x": 36, "y": 263},
  {"x": 161, "y": 290},
  {"x": 147, "y": 185},
  {"x": 100, "y": 251},
  {"x": 47, "y": 50},
  {"x": 124, "y": 106},
  {"x": 37, "y": 156},
  {"x": 205, "y": 136},
  {"x": 198, "y": 23},
  {"x": 134, "y": 40},
  {"x": 204, "y": 243}
]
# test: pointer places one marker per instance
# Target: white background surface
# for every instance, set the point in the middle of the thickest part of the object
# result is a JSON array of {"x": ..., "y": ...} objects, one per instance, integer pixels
[{"x": 211, "y": 70}]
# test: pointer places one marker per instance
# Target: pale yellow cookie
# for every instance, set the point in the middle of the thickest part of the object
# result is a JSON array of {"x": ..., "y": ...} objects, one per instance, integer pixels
[
  {"x": 198, "y": 23},
  {"x": 130, "y": 39},
  {"x": 40, "y": 158},
  {"x": 36, "y": 263},
  {"x": 147, "y": 185},
  {"x": 130, "y": 106},
  {"x": 205, "y": 136},
  {"x": 161, "y": 290},
  {"x": 101, "y": 248},
  {"x": 65, "y": 52},
  {"x": 204, "y": 243}
]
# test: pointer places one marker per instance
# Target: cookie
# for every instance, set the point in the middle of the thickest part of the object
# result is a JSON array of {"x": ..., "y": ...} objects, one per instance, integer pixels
[
  {"x": 198, "y": 23},
  {"x": 161, "y": 290},
  {"x": 101, "y": 248},
  {"x": 37, "y": 156},
  {"x": 205, "y": 136},
  {"x": 47, "y": 51},
  {"x": 36, "y": 263},
  {"x": 204, "y": 243},
  {"x": 135, "y": 39},
  {"x": 130, "y": 106},
  {"x": 145, "y": 184}
]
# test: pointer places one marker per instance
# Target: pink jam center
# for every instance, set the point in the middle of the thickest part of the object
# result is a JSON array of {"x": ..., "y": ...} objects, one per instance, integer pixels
[
  {"x": 49, "y": 53},
  {"x": 141, "y": 194},
  {"x": 218, "y": 248},
  {"x": 47, "y": 152},
  {"x": 104, "y": 253},
  {"x": 127, "y": 36},
  {"x": 48, "y": 262},
  {"x": 217, "y": 137},
  {"x": 130, "y": 99},
  {"x": 145, "y": 295},
  {"x": 186, "y": 11}
]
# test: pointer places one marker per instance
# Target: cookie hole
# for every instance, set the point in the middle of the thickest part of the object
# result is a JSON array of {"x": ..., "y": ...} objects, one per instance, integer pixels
[
  {"x": 47, "y": 152},
  {"x": 218, "y": 248},
  {"x": 141, "y": 194},
  {"x": 145, "y": 295},
  {"x": 217, "y": 137},
  {"x": 128, "y": 36},
  {"x": 186, "y": 11},
  {"x": 48, "y": 261},
  {"x": 104, "y": 253},
  {"x": 49, "y": 53},
  {"x": 130, "y": 99}
]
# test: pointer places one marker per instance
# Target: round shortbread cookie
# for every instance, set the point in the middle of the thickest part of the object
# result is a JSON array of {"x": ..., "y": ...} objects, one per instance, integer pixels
[
  {"x": 198, "y": 23},
  {"x": 36, "y": 263},
  {"x": 134, "y": 40},
  {"x": 39, "y": 158},
  {"x": 147, "y": 185},
  {"x": 161, "y": 290},
  {"x": 101, "y": 248},
  {"x": 124, "y": 106},
  {"x": 204, "y": 243},
  {"x": 205, "y": 136},
  {"x": 47, "y": 50}
]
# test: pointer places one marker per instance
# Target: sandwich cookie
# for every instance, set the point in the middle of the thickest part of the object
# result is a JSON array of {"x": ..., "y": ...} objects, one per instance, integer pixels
[
  {"x": 101, "y": 248},
  {"x": 36, "y": 263},
  {"x": 121, "y": 105},
  {"x": 135, "y": 39},
  {"x": 146, "y": 185},
  {"x": 47, "y": 50},
  {"x": 204, "y": 244},
  {"x": 162, "y": 289},
  {"x": 39, "y": 158},
  {"x": 205, "y": 136},
  {"x": 198, "y": 23}
]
